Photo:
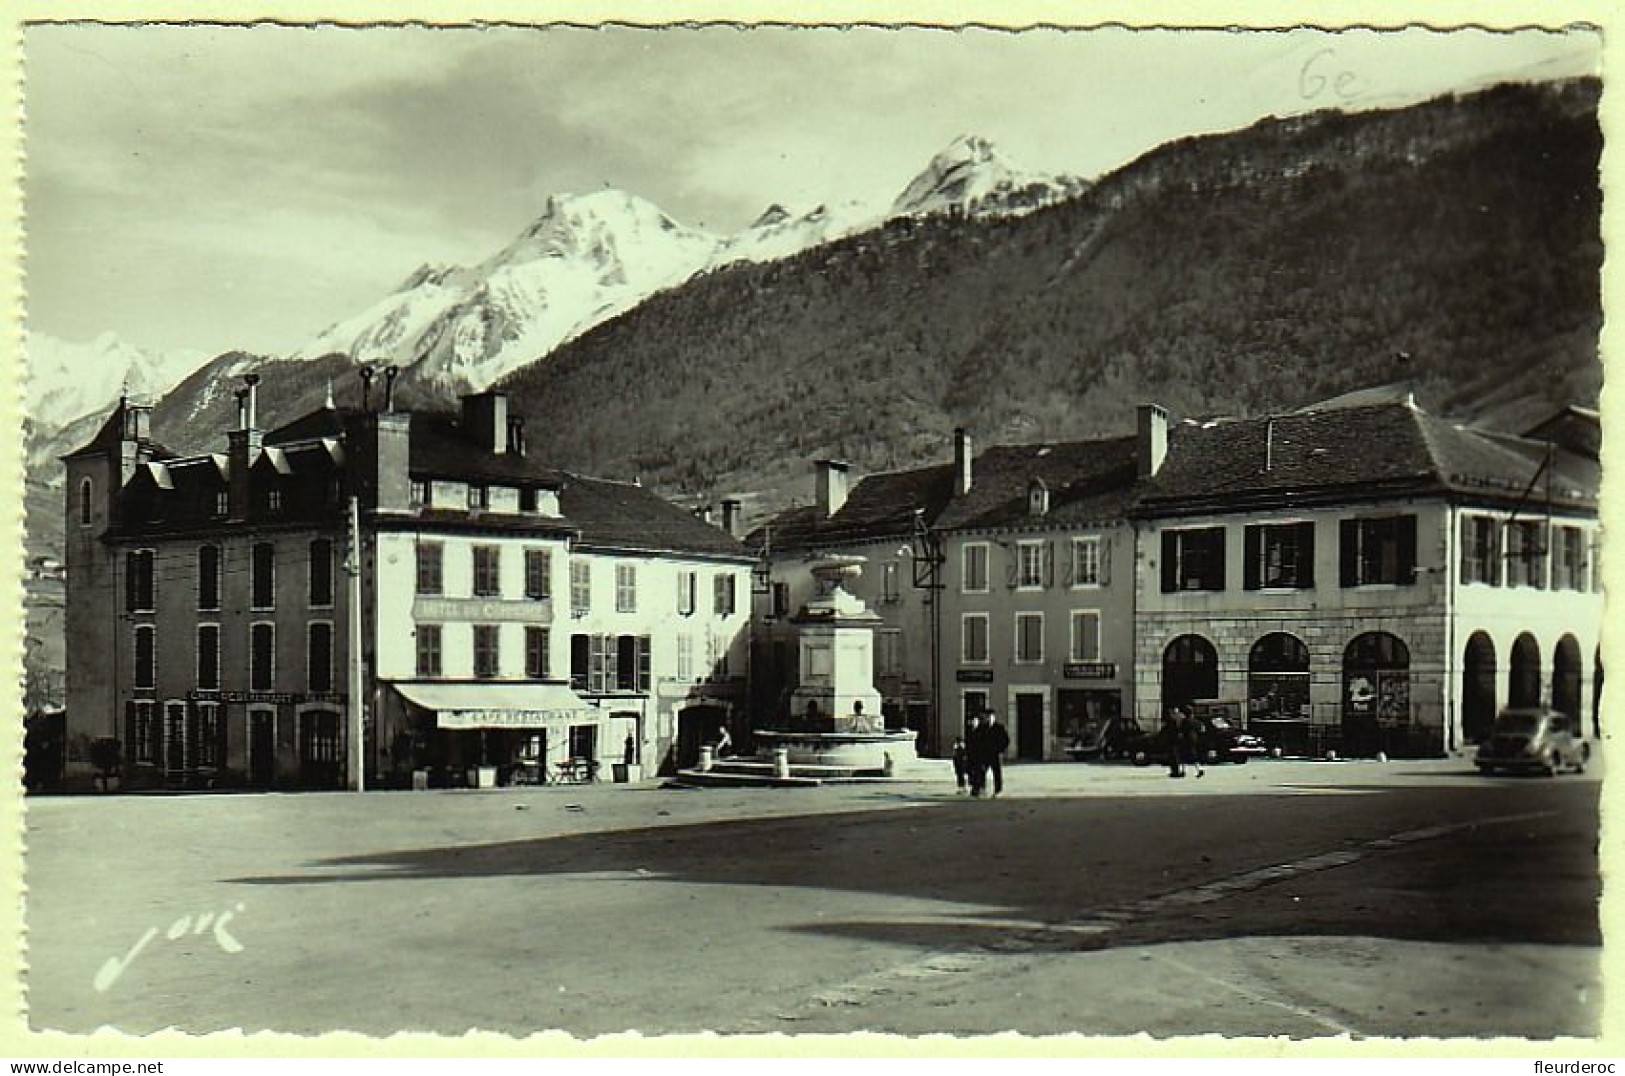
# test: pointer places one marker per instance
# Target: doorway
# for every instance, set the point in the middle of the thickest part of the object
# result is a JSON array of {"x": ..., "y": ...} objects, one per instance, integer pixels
[
  {"x": 1030, "y": 727},
  {"x": 261, "y": 748}
]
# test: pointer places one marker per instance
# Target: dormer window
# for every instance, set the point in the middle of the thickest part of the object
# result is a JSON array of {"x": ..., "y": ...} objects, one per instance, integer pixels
[
  {"x": 527, "y": 499},
  {"x": 479, "y": 498},
  {"x": 423, "y": 493},
  {"x": 1037, "y": 498},
  {"x": 273, "y": 500}
]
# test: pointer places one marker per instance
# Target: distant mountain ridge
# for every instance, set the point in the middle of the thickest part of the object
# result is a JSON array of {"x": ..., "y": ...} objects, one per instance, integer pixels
[{"x": 1454, "y": 245}]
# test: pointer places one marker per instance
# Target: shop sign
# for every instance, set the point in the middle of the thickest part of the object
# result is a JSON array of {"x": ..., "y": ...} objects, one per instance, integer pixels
[
  {"x": 272, "y": 697},
  {"x": 974, "y": 676},
  {"x": 1090, "y": 670},
  {"x": 510, "y": 719}
]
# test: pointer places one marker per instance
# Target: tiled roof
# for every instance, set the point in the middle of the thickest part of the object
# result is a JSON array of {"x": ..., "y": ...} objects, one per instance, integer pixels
[
  {"x": 439, "y": 447},
  {"x": 1347, "y": 453},
  {"x": 879, "y": 506},
  {"x": 619, "y": 515},
  {"x": 1088, "y": 482}
]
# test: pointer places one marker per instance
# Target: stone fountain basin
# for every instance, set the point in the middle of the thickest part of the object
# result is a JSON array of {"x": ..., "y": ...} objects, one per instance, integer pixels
[{"x": 856, "y": 750}]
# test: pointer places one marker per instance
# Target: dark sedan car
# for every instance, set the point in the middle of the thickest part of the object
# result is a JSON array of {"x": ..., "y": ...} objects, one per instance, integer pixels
[
  {"x": 1222, "y": 739},
  {"x": 1533, "y": 740}
]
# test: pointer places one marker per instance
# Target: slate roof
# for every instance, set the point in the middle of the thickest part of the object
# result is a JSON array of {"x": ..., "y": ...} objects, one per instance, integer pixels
[
  {"x": 879, "y": 506},
  {"x": 439, "y": 448},
  {"x": 1351, "y": 453},
  {"x": 106, "y": 441},
  {"x": 626, "y": 517},
  {"x": 1088, "y": 481}
]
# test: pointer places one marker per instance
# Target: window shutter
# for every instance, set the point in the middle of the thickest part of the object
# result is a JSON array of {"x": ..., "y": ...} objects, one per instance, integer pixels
[
  {"x": 129, "y": 582},
  {"x": 1306, "y": 554},
  {"x": 1069, "y": 567},
  {"x": 1049, "y": 564},
  {"x": 1218, "y": 554},
  {"x": 1170, "y": 562},
  {"x": 1104, "y": 572},
  {"x": 644, "y": 662},
  {"x": 1348, "y": 551},
  {"x": 1407, "y": 550},
  {"x": 1252, "y": 545},
  {"x": 1012, "y": 564}
]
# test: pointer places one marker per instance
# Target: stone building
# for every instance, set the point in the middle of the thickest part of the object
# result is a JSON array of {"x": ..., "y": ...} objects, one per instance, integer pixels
[
  {"x": 208, "y": 601},
  {"x": 1370, "y": 578}
]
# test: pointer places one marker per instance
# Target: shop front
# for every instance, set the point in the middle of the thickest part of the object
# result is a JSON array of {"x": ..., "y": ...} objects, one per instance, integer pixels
[{"x": 484, "y": 735}]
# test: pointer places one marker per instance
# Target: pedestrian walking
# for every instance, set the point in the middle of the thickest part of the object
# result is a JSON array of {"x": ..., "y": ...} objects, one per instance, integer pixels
[
  {"x": 1190, "y": 738},
  {"x": 997, "y": 741},
  {"x": 1171, "y": 736},
  {"x": 975, "y": 755},
  {"x": 961, "y": 765}
]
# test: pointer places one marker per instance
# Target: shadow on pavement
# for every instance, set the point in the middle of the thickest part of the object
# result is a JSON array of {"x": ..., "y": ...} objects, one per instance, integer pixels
[{"x": 1004, "y": 867}]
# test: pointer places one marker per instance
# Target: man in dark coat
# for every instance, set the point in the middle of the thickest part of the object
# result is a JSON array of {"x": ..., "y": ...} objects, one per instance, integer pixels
[
  {"x": 995, "y": 741},
  {"x": 1172, "y": 736},
  {"x": 975, "y": 754}
]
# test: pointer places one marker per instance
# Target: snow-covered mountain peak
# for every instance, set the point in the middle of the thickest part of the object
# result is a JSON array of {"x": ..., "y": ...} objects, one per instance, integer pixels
[
  {"x": 971, "y": 175},
  {"x": 70, "y": 379}
]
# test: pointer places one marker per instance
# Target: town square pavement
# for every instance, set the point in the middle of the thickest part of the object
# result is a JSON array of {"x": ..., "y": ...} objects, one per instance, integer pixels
[{"x": 1279, "y": 898}]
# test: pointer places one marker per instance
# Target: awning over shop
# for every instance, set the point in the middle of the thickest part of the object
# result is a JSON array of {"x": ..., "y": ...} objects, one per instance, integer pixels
[{"x": 500, "y": 706}]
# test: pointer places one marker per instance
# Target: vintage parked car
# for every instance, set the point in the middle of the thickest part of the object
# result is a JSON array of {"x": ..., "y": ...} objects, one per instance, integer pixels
[
  {"x": 1222, "y": 738},
  {"x": 1535, "y": 739},
  {"x": 1104, "y": 739}
]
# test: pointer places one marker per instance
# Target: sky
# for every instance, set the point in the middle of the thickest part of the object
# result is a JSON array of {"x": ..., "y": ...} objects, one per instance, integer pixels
[{"x": 218, "y": 188}]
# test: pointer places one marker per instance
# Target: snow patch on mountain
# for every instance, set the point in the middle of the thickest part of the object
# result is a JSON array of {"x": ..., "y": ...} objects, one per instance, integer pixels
[{"x": 69, "y": 379}]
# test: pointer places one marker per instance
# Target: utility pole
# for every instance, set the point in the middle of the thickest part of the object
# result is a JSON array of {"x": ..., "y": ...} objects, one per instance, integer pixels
[{"x": 358, "y": 722}]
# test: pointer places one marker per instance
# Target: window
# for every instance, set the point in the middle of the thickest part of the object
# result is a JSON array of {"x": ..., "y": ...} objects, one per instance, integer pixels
[
  {"x": 1381, "y": 550},
  {"x": 973, "y": 565},
  {"x": 208, "y": 657},
  {"x": 321, "y": 572},
  {"x": 1480, "y": 550},
  {"x": 1085, "y": 635},
  {"x": 139, "y": 594},
  {"x": 720, "y": 651},
  {"x": 146, "y": 656},
  {"x": 584, "y": 741},
  {"x": 1279, "y": 555},
  {"x": 1086, "y": 562},
  {"x": 422, "y": 493},
  {"x": 273, "y": 500},
  {"x": 479, "y": 498},
  {"x": 888, "y": 582},
  {"x": 1596, "y": 562},
  {"x": 527, "y": 499},
  {"x": 1029, "y": 637},
  {"x": 580, "y": 587},
  {"x": 538, "y": 574},
  {"x": 888, "y": 652},
  {"x": 263, "y": 584},
  {"x": 722, "y": 594},
  {"x": 431, "y": 579},
  {"x": 428, "y": 649},
  {"x": 319, "y": 657},
  {"x": 1568, "y": 570},
  {"x": 208, "y": 577},
  {"x": 632, "y": 663},
  {"x": 86, "y": 502},
  {"x": 685, "y": 593},
  {"x": 1030, "y": 565},
  {"x": 222, "y": 503},
  {"x": 1526, "y": 554},
  {"x": 487, "y": 656},
  {"x": 626, "y": 588},
  {"x": 973, "y": 639},
  {"x": 141, "y": 726},
  {"x": 319, "y": 736},
  {"x": 261, "y": 656},
  {"x": 538, "y": 662},
  {"x": 1193, "y": 559},
  {"x": 487, "y": 571},
  {"x": 1277, "y": 680},
  {"x": 211, "y": 735},
  {"x": 685, "y": 656}
]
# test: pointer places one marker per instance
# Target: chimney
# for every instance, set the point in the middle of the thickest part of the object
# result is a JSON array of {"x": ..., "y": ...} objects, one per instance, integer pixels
[
  {"x": 366, "y": 386},
  {"x": 253, "y": 381},
  {"x": 962, "y": 462},
  {"x": 730, "y": 516},
  {"x": 391, "y": 372},
  {"x": 703, "y": 513},
  {"x": 391, "y": 477},
  {"x": 1152, "y": 441},
  {"x": 831, "y": 485},
  {"x": 516, "y": 436},
  {"x": 485, "y": 420},
  {"x": 135, "y": 444}
]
